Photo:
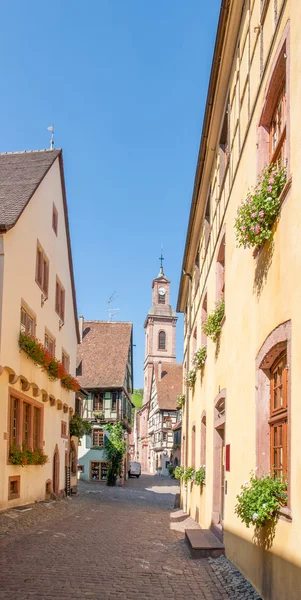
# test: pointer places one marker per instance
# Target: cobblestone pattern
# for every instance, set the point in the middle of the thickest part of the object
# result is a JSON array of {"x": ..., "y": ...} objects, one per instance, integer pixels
[
  {"x": 106, "y": 543},
  {"x": 232, "y": 579}
]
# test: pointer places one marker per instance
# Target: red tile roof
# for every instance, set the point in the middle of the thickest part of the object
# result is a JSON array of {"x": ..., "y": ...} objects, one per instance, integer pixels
[
  {"x": 170, "y": 386},
  {"x": 103, "y": 354}
]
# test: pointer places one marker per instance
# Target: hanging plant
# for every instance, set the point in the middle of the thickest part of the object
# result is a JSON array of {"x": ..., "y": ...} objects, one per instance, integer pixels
[
  {"x": 257, "y": 213},
  {"x": 178, "y": 472},
  {"x": 261, "y": 499},
  {"x": 42, "y": 357},
  {"x": 200, "y": 475},
  {"x": 181, "y": 401},
  {"x": 190, "y": 378},
  {"x": 24, "y": 456},
  {"x": 199, "y": 358},
  {"x": 213, "y": 324},
  {"x": 78, "y": 427}
]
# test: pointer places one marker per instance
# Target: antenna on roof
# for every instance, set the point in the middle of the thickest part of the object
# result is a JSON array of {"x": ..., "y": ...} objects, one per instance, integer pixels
[
  {"x": 112, "y": 311},
  {"x": 51, "y": 128}
]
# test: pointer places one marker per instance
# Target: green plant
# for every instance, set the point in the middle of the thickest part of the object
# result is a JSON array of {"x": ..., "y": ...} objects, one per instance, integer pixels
[
  {"x": 190, "y": 378},
  {"x": 181, "y": 401},
  {"x": 171, "y": 469},
  {"x": 257, "y": 214},
  {"x": 78, "y": 427},
  {"x": 16, "y": 456},
  {"x": 179, "y": 472},
  {"x": 200, "y": 475},
  {"x": 176, "y": 446},
  {"x": 188, "y": 474},
  {"x": 213, "y": 324},
  {"x": 98, "y": 415},
  {"x": 115, "y": 449},
  {"x": 24, "y": 456},
  {"x": 260, "y": 499},
  {"x": 199, "y": 358}
]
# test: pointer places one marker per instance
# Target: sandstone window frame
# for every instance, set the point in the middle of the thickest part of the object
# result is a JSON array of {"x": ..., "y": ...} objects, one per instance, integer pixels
[
  {"x": 221, "y": 269},
  {"x": 28, "y": 319},
  {"x": 278, "y": 341},
  {"x": 16, "y": 401},
  {"x": 49, "y": 342},
  {"x": 278, "y": 80},
  {"x": 60, "y": 299},
  {"x": 14, "y": 485},
  {"x": 204, "y": 313},
  {"x": 162, "y": 340},
  {"x": 203, "y": 438},
  {"x": 55, "y": 219},
  {"x": 42, "y": 270}
]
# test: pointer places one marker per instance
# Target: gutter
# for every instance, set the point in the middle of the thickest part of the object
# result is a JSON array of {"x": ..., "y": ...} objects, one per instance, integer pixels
[{"x": 221, "y": 29}]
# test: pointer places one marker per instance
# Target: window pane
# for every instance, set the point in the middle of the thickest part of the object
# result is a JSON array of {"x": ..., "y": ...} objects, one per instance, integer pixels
[
  {"x": 36, "y": 427},
  {"x": 14, "y": 420},
  {"x": 26, "y": 423}
]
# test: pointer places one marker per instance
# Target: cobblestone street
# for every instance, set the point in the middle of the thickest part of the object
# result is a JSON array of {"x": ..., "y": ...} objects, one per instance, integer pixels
[{"x": 108, "y": 543}]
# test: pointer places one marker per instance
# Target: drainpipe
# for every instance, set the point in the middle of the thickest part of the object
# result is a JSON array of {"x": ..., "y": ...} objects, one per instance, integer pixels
[{"x": 188, "y": 391}]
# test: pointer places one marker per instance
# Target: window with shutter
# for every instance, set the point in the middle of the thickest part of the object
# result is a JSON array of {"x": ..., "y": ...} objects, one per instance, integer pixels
[
  {"x": 42, "y": 270},
  {"x": 27, "y": 322},
  {"x": 60, "y": 299},
  {"x": 65, "y": 361},
  {"x": 49, "y": 343}
]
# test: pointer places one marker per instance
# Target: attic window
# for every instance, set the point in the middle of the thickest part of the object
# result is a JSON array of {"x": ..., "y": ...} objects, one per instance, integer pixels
[{"x": 55, "y": 218}]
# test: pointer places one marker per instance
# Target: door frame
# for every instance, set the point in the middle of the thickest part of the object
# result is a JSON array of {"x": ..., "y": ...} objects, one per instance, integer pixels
[{"x": 219, "y": 435}]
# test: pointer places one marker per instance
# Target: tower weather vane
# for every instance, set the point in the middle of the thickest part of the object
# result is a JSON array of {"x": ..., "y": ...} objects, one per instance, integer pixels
[
  {"x": 161, "y": 261},
  {"x": 51, "y": 128}
]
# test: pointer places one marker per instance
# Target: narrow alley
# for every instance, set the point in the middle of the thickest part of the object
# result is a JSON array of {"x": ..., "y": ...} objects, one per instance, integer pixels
[{"x": 109, "y": 543}]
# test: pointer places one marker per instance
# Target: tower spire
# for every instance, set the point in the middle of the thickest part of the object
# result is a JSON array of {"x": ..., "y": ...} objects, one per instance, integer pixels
[{"x": 161, "y": 267}]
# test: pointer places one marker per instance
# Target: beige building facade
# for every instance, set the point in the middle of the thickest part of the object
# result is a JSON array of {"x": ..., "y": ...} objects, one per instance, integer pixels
[
  {"x": 37, "y": 299},
  {"x": 231, "y": 420}
]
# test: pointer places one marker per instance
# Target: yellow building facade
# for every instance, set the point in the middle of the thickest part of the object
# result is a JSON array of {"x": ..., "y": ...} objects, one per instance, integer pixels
[
  {"x": 37, "y": 297},
  {"x": 229, "y": 423}
]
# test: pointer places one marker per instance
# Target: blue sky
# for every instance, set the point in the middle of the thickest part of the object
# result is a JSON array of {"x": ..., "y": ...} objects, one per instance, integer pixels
[{"x": 125, "y": 83}]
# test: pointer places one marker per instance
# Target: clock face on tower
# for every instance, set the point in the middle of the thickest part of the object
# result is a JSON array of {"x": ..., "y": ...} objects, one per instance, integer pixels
[{"x": 161, "y": 291}]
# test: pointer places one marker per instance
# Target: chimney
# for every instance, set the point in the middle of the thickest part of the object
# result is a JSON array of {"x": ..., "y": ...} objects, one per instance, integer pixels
[
  {"x": 160, "y": 370},
  {"x": 81, "y": 326}
]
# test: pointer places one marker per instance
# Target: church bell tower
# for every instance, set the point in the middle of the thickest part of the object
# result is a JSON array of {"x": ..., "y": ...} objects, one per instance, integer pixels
[{"x": 160, "y": 329}]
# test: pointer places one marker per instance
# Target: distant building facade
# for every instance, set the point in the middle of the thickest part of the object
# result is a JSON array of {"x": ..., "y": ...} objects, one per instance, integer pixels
[
  {"x": 105, "y": 371},
  {"x": 162, "y": 381},
  {"x": 37, "y": 303}
]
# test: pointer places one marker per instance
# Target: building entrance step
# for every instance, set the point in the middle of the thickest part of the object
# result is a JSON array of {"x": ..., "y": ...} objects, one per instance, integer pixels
[
  {"x": 178, "y": 515},
  {"x": 203, "y": 543}
]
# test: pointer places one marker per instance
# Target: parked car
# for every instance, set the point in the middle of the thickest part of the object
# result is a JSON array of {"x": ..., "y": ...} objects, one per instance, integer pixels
[{"x": 134, "y": 469}]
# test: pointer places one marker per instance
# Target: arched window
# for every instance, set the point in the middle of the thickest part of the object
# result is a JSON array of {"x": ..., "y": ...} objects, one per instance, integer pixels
[
  {"x": 162, "y": 340},
  {"x": 220, "y": 271},
  {"x": 273, "y": 402},
  {"x": 203, "y": 319},
  {"x": 203, "y": 439},
  {"x": 193, "y": 433},
  {"x": 274, "y": 124}
]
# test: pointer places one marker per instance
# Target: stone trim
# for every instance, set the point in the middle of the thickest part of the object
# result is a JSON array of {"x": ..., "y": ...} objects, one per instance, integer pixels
[{"x": 277, "y": 341}]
